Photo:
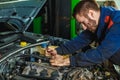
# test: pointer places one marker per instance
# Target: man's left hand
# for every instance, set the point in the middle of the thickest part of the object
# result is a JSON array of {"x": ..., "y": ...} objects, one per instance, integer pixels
[{"x": 59, "y": 60}]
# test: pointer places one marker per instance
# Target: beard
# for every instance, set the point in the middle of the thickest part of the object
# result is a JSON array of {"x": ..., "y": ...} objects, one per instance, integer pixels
[{"x": 92, "y": 26}]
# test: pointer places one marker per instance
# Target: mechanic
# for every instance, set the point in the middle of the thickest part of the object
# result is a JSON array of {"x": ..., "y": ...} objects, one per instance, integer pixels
[{"x": 99, "y": 23}]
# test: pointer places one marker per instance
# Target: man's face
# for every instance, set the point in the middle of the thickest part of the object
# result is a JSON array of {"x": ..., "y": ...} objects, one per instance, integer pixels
[{"x": 87, "y": 23}]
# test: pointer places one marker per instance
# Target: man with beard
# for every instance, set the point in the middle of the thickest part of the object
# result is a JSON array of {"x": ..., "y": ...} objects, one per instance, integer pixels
[{"x": 100, "y": 24}]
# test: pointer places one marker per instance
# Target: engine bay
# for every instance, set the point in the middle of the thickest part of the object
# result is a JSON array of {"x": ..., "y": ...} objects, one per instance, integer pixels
[{"x": 25, "y": 60}]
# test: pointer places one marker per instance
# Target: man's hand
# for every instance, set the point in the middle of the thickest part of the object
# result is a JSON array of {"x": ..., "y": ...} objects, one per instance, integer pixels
[
  {"x": 50, "y": 52},
  {"x": 55, "y": 59},
  {"x": 59, "y": 60}
]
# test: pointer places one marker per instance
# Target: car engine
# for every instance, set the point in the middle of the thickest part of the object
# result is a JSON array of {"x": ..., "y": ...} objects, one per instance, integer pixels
[{"x": 25, "y": 60}]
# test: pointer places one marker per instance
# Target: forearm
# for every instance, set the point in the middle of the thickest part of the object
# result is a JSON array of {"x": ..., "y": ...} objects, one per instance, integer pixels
[
  {"x": 86, "y": 59},
  {"x": 79, "y": 42},
  {"x": 94, "y": 56}
]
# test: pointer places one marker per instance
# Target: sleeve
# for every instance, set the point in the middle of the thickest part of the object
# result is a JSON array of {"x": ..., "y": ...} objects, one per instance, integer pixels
[
  {"x": 82, "y": 40},
  {"x": 109, "y": 46}
]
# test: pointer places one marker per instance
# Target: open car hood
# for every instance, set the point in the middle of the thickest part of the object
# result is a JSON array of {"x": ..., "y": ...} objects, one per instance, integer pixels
[
  {"x": 19, "y": 13},
  {"x": 15, "y": 18}
]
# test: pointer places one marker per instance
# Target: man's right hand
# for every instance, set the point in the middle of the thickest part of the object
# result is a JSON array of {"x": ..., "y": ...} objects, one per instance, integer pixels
[{"x": 56, "y": 59}]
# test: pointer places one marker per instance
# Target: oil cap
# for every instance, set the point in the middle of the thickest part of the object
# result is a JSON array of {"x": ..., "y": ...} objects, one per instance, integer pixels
[{"x": 23, "y": 43}]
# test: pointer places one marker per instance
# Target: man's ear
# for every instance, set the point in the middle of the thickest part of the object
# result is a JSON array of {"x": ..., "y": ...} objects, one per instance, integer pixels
[{"x": 91, "y": 14}]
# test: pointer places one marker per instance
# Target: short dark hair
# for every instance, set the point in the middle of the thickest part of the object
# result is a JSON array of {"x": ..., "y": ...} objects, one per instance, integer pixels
[{"x": 84, "y": 5}]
